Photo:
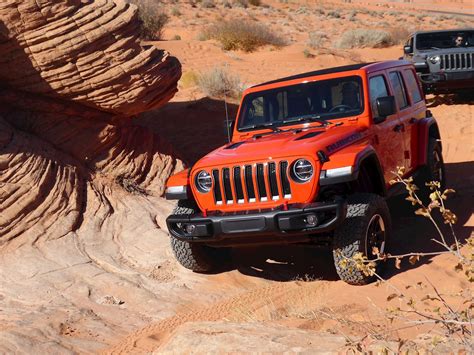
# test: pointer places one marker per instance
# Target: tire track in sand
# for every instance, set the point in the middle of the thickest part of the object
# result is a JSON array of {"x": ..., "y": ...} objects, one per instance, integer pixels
[{"x": 150, "y": 337}]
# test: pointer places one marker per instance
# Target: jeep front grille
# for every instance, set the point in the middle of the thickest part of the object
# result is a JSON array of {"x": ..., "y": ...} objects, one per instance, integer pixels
[
  {"x": 251, "y": 183},
  {"x": 457, "y": 61}
]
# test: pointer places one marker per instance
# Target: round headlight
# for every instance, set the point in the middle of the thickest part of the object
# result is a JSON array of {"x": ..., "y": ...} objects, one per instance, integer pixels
[
  {"x": 435, "y": 59},
  {"x": 302, "y": 170},
  {"x": 204, "y": 181}
]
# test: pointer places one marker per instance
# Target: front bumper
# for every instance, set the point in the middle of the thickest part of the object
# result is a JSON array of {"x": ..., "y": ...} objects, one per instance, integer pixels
[
  {"x": 448, "y": 80},
  {"x": 278, "y": 223}
]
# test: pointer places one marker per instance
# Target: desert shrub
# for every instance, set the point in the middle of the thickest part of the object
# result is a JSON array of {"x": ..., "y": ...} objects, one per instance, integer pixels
[
  {"x": 219, "y": 82},
  {"x": 361, "y": 38},
  {"x": 153, "y": 19},
  {"x": 208, "y": 4},
  {"x": 255, "y": 2},
  {"x": 241, "y": 3},
  {"x": 334, "y": 14},
  {"x": 227, "y": 4},
  {"x": 399, "y": 34},
  {"x": 243, "y": 35},
  {"x": 319, "y": 11},
  {"x": 316, "y": 39},
  {"x": 177, "y": 38},
  {"x": 307, "y": 53},
  {"x": 301, "y": 10},
  {"x": 175, "y": 11},
  {"x": 188, "y": 79}
]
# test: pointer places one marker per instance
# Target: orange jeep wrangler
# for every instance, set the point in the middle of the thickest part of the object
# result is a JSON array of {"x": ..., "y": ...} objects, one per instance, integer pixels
[{"x": 309, "y": 161}]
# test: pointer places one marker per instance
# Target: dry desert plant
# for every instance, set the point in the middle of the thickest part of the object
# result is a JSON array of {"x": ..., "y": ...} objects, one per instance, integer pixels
[
  {"x": 451, "y": 312},
  {"x": 244, "y": 35},
  {"x": 361, "y": 38},
  {"x": 316, "y": 39},
  {"x": 218, "y": 82},
  {"x": 153, "y": 19}
]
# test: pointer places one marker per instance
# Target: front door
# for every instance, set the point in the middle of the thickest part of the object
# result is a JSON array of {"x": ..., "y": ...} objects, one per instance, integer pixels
[{"x": 388, "y": 135}]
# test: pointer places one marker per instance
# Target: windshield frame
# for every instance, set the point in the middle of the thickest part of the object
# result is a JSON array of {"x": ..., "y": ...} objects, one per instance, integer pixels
[
  {"x": 318, "y": 118},
  {"x": 450, "y": 33}
]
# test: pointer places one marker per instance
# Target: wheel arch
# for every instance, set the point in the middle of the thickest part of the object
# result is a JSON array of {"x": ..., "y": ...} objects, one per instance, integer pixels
[
  {"x": 361, "y": 159},
  {"x": 428, "y": 130}
]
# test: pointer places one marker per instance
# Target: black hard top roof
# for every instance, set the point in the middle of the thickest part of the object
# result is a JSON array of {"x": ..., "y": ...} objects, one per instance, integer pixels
[
  {"x": 317, "y": 72},
  {"x": 369, "y": 67}
]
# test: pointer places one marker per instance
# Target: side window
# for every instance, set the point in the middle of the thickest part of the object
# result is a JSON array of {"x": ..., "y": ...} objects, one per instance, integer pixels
[
  {"x": 378, "y": 88},
  {"x": 399, "y": 90},
  {"x": 412, "y": 85}
]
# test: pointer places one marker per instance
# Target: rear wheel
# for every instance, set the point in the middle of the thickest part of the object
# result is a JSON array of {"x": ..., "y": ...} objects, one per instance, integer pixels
[
  {"x": 434, "y": 169},
  {"x": 196, "y": 256},
  {"x": 367, "y": 226}
]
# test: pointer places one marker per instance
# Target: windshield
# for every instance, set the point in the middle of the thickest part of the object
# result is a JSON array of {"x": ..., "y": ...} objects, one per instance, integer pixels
[
  {"x": 318, "y": 100},
  {"x": 448, "y": 39}
]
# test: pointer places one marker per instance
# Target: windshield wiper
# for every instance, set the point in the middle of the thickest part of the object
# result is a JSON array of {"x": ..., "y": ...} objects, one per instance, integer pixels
[
  {"x": 262, "y": 126},
  {"x": 308, "y": 118}
]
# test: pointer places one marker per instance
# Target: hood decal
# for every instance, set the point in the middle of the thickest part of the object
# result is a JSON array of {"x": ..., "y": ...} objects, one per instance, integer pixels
[
  {"x": 344, "y": 141},
  {"x": 309, "y": 135}
]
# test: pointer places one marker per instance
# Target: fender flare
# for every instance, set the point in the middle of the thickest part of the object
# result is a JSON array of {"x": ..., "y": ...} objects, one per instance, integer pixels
[
  {"x": 178, "y": 187},
  {"x": 428, "y": 128},
  {"x": 358, "y": 158}
]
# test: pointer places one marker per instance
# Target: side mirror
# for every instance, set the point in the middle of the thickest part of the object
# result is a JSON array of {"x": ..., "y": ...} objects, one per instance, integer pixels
[
  {"x": 229, "y": 128},
  {"x": 407, "y": 49},
  {"x": 385, "y": 107}
]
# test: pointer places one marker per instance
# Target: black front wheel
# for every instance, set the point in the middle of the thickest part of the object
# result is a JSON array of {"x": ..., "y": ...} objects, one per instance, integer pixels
[
  {"x": 366, "y": 228},
  {"x": 196, "y": 256}
]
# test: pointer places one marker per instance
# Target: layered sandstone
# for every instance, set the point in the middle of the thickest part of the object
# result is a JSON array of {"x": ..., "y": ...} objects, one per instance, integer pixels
[{"x": 73, "y": 74}]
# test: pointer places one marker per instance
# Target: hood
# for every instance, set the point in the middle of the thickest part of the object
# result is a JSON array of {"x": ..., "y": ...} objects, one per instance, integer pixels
[{"x": 295, "y": 143}]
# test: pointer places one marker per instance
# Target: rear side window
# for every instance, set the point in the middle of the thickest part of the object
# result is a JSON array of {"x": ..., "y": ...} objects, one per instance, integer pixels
[
  {"x": 412, "y": 85},
  {"x": 399, "y": 89},
  {"x": 378, "y": 88}
]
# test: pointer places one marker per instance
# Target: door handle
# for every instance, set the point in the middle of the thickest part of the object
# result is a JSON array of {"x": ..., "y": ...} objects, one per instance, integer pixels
[
  {"x": 412, "y": 120},
  {"x": 398, "y": 128}
]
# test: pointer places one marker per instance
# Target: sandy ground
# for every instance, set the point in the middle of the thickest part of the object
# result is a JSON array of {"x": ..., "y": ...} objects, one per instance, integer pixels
[{"x": 122, "y": 290}]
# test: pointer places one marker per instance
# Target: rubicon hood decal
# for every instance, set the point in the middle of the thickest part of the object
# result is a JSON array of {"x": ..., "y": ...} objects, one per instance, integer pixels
[{"x": 344, "y": 141}]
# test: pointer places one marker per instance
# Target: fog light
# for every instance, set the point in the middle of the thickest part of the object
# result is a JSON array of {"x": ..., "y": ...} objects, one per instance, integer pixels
[
  {"x": 189, "y": 228},
  {"x": 312, "y": 220}
]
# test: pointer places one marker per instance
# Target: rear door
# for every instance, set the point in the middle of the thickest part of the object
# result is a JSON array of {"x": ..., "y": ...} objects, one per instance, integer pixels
[
  {"x": 388, "y": 140},
  {"x": 417, "y": 112}
]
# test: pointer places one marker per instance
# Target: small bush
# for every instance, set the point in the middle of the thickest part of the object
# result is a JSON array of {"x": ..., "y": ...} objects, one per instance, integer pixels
[
  {"x": 365, "y": 38},
  {"x": 334, "y": 14},
  {"x": 177, "y": 38},
  {"x": 208, "y": 4},
  {"x": 243, "y": 35},
  {"x": 188, "y": 79},
  {"x": 218, "y": 82},
  {"x": 241, "y": 3},
  {"x": 255, "y": 2},
  {"x": 399, "y": 34},
  {"x": 175, "y": 11},
  {"x": 308, "y": 54},
  {"x": 153, "y": 19},
  {"x": 316, "y": 39}
]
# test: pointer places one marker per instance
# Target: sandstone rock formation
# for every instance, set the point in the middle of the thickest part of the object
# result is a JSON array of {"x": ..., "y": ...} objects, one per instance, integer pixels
[
  {"x": 80, "y": 184},
  {"x": 73, "y": 73}
]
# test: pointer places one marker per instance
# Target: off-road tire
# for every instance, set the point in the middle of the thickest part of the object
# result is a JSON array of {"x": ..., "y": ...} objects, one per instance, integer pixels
[
  {"x": 428, "y": 172},
  {"x": 350, "y": 237},
  {"x": 196, "y": 256},
  {"x": 435, "y": 147}
]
